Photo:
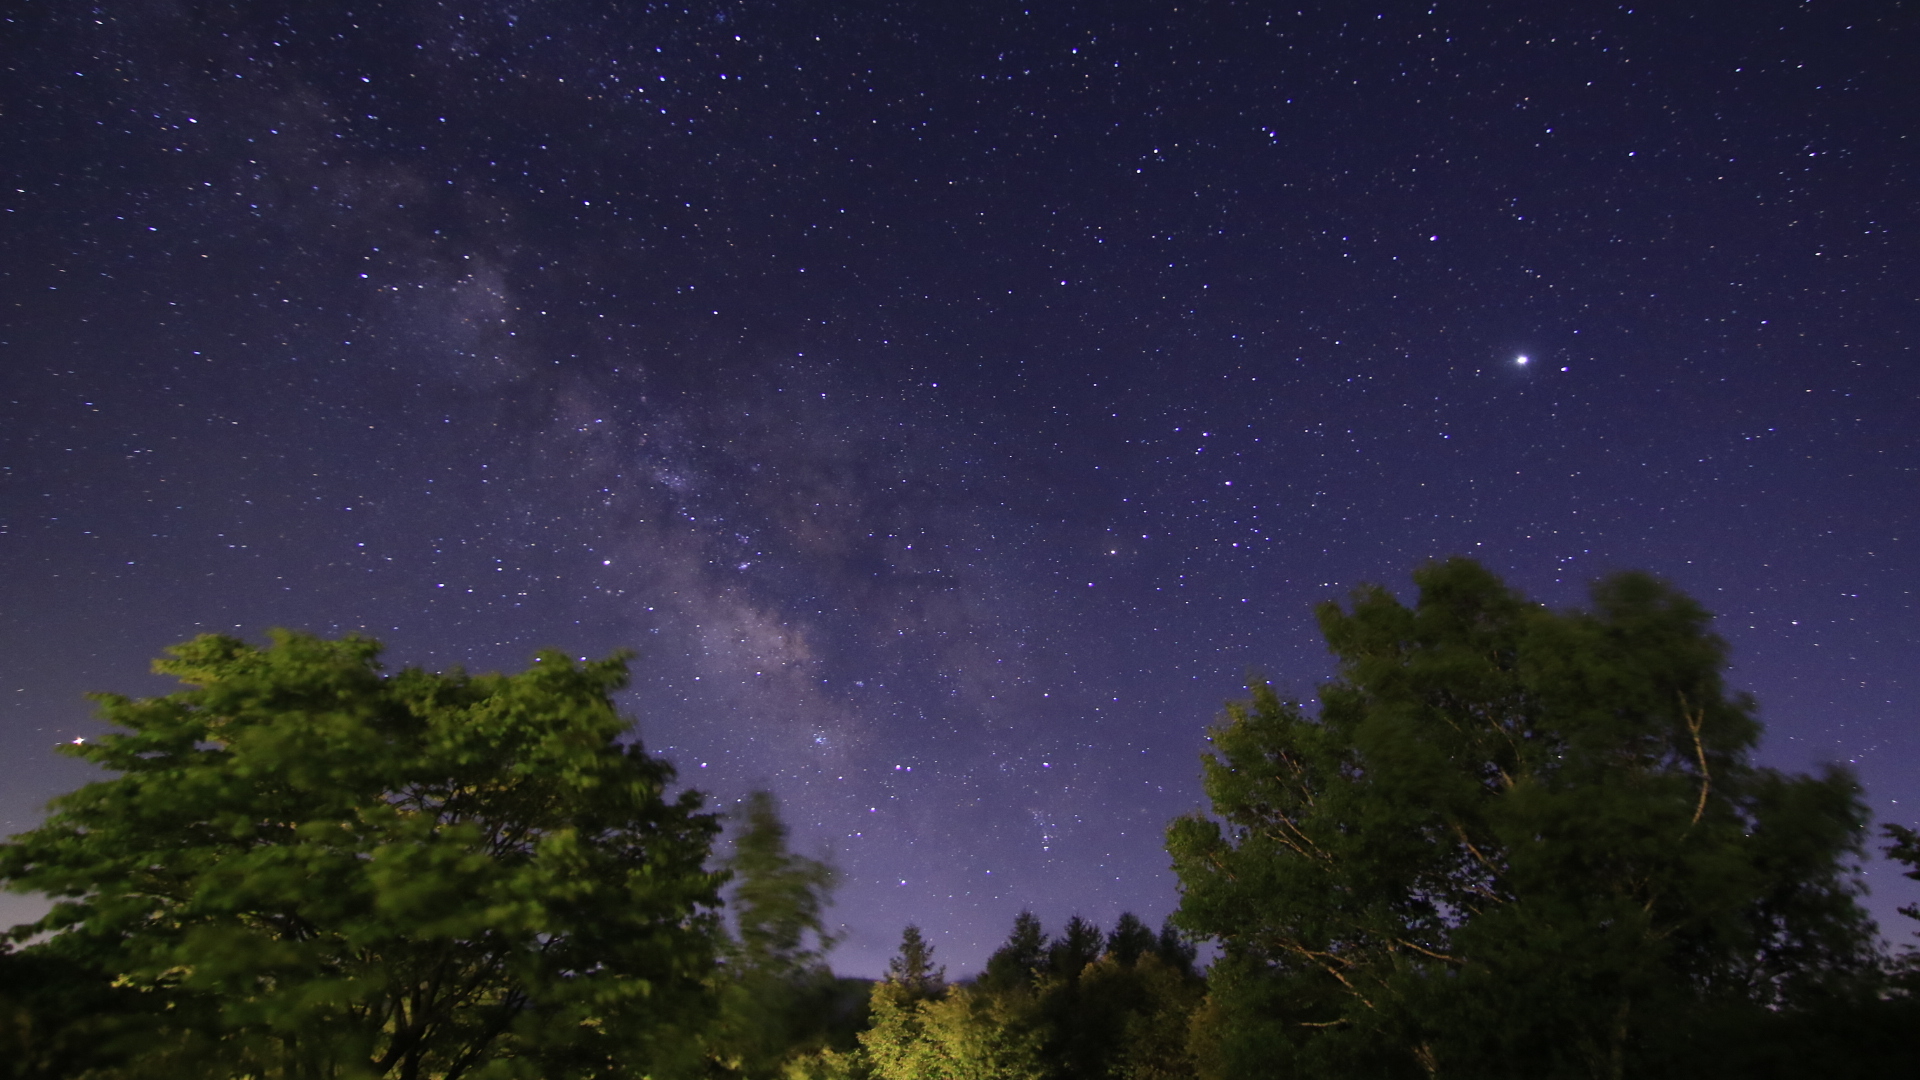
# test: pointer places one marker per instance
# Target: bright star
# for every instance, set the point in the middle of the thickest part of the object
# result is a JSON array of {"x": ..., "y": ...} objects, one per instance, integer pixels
[{"x": 1521, "y": 360}]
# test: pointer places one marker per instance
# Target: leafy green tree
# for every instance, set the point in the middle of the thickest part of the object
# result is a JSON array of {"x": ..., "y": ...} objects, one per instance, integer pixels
[
  {"x": 60, "y": 1020},
  {"x": 1904, "y": 848},
  {"x": 319, "y": 870},
  {"x": 913, "y": 969},
  {"x": 1122, "y": 1015},
  {"x": 1138, "y": 1015},
  {"x": 923, "y": 1029},
  {"x": 778, "y": 998},
  {"x": 778, "y": 898},
  {"x": 1513, "y": 842},
  {"x": 1016, "y": 964},
  {"x": 962, "y": 1036},
  {"x": 829, "y": 1064}
]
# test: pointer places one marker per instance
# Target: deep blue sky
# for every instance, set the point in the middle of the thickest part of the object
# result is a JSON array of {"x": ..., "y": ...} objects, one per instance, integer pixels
[{"x": 953, "y": 402}]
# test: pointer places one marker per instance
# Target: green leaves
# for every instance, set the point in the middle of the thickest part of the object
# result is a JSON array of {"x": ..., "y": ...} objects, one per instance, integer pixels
[
  {"x": 961, "y": 1035},
  {"x": 778, "y": 1001},
  {"x": 1536, "y": 827},
  {"x": 392, "y": 875}
]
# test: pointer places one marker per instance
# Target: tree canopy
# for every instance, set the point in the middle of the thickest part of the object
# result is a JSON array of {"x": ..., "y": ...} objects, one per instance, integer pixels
[
  {"x": 323, "y": 870},
  {"x": 1513, "y": 841}
]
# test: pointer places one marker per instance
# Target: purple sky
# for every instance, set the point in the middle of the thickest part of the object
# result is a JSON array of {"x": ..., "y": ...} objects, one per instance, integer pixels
[{"x": 953, "y": 402}]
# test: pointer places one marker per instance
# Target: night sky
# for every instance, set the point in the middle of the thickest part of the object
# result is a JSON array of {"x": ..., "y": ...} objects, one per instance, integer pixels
[{"x": 953, "y": 402}]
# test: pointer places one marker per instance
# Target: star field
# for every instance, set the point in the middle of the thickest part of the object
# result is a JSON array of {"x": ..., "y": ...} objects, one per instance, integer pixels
[{"x": 953, "y": 403}]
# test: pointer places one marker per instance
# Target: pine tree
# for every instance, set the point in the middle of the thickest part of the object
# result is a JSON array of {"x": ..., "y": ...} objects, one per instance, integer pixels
[
  {"x": 913, "y": 969},
  {"x": 1077, "y": 946},
  {"x": 1904, "y": 849},
  {"x": 1173, "y": 948},
  {"x": 1016, "y": 964},
  {"x": 1130, "y": 939}
]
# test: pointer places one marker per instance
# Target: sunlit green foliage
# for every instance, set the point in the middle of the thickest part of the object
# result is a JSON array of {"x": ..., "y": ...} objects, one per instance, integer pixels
[
  {"x": 318, "y": 870},
  {"x": 962, "y": 1035}
]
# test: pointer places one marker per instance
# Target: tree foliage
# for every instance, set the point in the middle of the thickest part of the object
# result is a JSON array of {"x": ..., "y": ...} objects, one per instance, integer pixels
[
  {"x": 778, "y": 897},
  {"x": 1121, "y": 1011},
  {"x": 779, "y": 1000},
  {"x": 1904, "y": 848},
  {"x": 1510, "y": 842},
  {"x": 1078, "y": 945},
  {"x": 1021, "y": 960},
  {"x": 1066, "y": 1010},
  {"x": 913, "y": 969},
  {"x": 1130, "y": 939},
  {"x": 320, "y": 870},
  {"x": 1513, "y": 842},
  {"x": 962, "y": 1035}
]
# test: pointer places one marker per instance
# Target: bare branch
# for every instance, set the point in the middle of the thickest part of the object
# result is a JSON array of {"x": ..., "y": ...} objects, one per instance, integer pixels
[
  {"x": 1479, "y": 857},
  {"x": 1422, "y": 950},
  {"x": 1695, "y": 720}
]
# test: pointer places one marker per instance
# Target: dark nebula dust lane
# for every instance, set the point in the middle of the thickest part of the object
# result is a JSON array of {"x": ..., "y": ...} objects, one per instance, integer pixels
[{"x": 952, "y": 404}]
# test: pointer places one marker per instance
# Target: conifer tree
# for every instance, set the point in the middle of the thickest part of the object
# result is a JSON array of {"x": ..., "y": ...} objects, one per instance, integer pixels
[
  {"x": 1078, "y": 945},
  {"x": 913, "y": 968},
  {"x": 1173, "y": 948},
  {"x": 1129, "y": 940},
  {"x": 1016, "y": 964}
]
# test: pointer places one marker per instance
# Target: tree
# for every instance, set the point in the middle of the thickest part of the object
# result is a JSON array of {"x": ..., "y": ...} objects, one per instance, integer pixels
[
  {"x": 1140, "y": 1013},
  {"x": 1905, "y": 849},
  {"x": 1129, "y": 940},
  {"x": 59, "y": 1020},
  {"x": 778, "y": 998},
  {"x": 1078, "y": 945},
  {"x": 1122, "y": 1015},
  {"x": 778, "y": 897},
  {"x": 1016, "y": 964},
  {"x": 1513, "y": 842},
  {"x": 1173, "y": 948},
  {"x": 961, "y": 1036},
  {"x": 321, "y": 870},
  {"x": 913, "y": 969}
]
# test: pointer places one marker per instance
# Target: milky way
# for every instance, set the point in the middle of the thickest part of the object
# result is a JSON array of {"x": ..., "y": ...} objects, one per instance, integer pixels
[{"x": 952, "y": 404}]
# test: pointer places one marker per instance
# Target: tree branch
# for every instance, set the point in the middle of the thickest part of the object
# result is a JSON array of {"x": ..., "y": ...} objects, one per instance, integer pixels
[{"x": 1695, "y": 720}]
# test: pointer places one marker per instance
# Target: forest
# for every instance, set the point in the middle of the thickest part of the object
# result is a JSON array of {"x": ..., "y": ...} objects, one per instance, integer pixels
[{"x": 1505, "y": 841}]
